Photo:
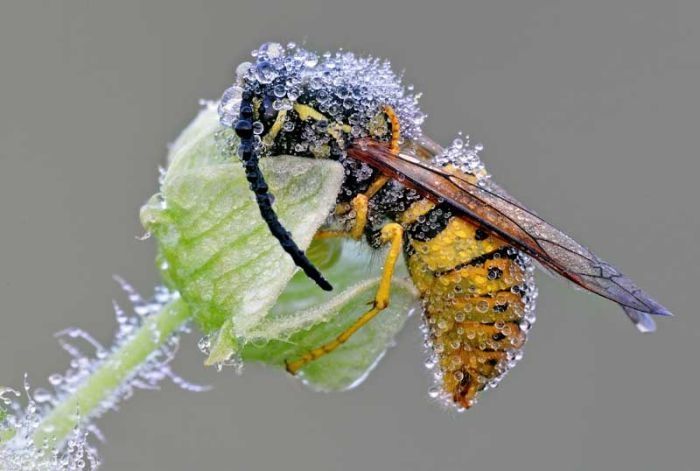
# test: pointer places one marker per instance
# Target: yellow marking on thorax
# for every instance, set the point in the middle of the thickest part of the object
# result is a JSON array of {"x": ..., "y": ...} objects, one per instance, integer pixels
[
  {"x": 306, "y": 112},
  {"x": 337, "y": 129}
]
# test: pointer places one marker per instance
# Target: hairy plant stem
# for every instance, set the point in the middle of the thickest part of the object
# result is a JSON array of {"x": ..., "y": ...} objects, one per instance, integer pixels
[{"x": 116, "y": 369}]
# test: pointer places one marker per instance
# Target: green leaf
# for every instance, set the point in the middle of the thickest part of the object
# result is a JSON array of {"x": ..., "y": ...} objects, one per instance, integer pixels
[
  {"x": 290, "y": 331},
  {"x": 203, "y": 142}
]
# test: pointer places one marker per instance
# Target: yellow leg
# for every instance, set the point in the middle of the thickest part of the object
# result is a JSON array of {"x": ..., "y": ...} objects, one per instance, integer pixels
[
  {"x": 395, "y": 128},
  {"x": 376, "y": 186},
  {"x": 393, "y": 234},
  {"x": 359, "y": 204}
]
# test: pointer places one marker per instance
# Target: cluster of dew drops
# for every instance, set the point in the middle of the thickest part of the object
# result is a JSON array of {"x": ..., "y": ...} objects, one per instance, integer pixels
[
  {"x": 87, "y": 355},
  {"x": 528, "y": 290},
  {"x": 465, "y": 156},
  {"x": 437, "y": 391},
  {"x": 345, "y": 87},
  {"x": 21, "y": 454}
]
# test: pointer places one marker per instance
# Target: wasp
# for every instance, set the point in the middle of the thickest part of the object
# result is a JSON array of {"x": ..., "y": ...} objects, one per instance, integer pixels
[{"x": 469, "y": 246}]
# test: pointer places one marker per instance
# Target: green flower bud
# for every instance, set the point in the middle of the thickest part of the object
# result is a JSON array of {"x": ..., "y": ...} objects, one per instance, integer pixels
[{"x": 215, "y": 249}]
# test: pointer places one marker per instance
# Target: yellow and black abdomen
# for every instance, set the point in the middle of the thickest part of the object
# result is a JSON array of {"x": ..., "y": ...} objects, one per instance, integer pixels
[{"x": 478, "y": 298}]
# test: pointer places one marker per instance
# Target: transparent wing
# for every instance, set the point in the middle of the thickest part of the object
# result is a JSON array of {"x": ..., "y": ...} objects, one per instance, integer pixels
[{"x": 487, "y": 204}]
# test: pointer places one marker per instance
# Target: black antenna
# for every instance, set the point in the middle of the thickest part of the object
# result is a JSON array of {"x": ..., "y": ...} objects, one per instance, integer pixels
[{"x": 247, "y": 152}]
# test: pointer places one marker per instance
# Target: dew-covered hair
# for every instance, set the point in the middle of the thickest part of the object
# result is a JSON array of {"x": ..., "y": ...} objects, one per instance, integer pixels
[{"x": 346, "y": 88}]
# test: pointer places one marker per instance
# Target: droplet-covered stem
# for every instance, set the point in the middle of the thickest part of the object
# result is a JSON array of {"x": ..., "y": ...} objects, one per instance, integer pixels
[{"x": 115, "y": 371}]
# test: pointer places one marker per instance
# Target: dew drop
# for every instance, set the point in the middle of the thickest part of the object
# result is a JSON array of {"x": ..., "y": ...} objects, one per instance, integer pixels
[
  {"x": 55, "y": 379},
  {"x": 280, "y": 91},
  {"x": 270, "y": 50},
  {"x": 265, "y": 72}
]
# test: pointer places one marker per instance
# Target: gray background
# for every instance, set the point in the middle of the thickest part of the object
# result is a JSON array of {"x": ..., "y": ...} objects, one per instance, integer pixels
[{"x": 589, "y": 111}]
